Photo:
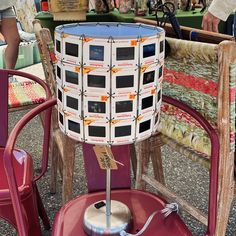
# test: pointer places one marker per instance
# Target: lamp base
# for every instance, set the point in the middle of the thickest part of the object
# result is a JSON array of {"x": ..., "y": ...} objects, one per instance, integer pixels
[{"x": 96, "y": 222}]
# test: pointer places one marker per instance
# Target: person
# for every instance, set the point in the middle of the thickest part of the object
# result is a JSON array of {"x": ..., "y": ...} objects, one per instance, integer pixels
[
  {"x": 8, "y": 28},
  {"x": 217, "y": 11}
]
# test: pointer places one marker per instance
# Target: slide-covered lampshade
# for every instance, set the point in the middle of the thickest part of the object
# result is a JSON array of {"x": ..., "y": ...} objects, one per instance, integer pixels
[{"x": 109, "y": 81}]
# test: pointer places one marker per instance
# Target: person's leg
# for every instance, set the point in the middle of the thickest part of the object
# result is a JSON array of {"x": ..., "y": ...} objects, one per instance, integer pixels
[
  {"x": 11, "y": 35},
  {"x": 234, "y": 29}
]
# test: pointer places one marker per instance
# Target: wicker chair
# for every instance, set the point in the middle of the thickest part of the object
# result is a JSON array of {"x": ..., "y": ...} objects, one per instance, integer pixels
[{"x": 203, "y": 76}]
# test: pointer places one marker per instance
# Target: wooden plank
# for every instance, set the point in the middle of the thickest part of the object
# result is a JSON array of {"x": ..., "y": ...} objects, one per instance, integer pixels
[
  {"x": 226, "y": 55},
  {"x": 20, "y": 108},
  {"x": 59, "y": 155},
  {"x": 133, "y": 158},
  {"x": 173, "y": 197},
  {"x": 199, "y": 35},
  {"x": 68, "y": 6},
  {"x": 155, "y": 143},
  {"x": 143, "y": 158},
  {"x": 68, "y": 168},
  {"x": 73, "y": 10}
]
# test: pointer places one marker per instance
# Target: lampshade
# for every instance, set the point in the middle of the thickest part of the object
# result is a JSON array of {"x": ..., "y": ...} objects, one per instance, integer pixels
[{"x": 109, "y": 81}]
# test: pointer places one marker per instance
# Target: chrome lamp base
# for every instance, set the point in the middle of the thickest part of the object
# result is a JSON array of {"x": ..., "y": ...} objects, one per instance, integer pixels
[{"x": 96, "y": 222}]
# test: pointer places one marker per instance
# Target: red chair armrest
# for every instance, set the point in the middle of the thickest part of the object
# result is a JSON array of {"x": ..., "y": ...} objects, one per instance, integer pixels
[
  {"x": 214, "y": 160},
  {"x": 8, "y": 153}
]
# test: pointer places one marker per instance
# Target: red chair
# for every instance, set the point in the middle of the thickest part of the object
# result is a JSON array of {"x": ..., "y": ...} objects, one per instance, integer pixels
[
  {"x": 20, "y": 202},
  {"x": 69, "y": 220},
  {"x": 142, "y": 177}
]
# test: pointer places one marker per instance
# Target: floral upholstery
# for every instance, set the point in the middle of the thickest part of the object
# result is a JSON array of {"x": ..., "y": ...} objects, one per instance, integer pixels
[{"x": 26, "y": 12}]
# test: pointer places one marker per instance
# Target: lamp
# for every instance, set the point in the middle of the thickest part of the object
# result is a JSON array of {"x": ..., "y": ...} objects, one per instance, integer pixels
[{"x": 109, "y": 93}]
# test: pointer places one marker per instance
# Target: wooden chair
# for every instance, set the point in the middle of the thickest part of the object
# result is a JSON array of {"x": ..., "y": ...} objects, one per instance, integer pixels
[
  {"x": 18, "y": 180},
  {"x": 63, "y": 148},
  {"x": 61, "y": 158},
  {"x": 202, "y": 76}
]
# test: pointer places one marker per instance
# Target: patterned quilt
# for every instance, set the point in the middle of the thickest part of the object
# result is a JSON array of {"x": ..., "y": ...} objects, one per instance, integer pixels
[
  {"x": 25, "y": 93},
  {"x": 191, "y": 75}
]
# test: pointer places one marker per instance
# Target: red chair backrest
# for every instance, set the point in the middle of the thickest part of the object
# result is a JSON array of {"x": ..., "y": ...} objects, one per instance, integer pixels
[{"x": 3, "y": 107}]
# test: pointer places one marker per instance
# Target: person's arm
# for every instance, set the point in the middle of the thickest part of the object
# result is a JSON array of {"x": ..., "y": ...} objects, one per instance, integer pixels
[{"x": 218, "y": 10}]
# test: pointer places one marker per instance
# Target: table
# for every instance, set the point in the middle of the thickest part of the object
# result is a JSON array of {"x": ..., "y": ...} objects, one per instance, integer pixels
[{"x": 188, "y": 19}]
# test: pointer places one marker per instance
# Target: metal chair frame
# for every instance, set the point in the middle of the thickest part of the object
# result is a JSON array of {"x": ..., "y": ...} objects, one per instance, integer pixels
[{"x": 17, "y": 197}]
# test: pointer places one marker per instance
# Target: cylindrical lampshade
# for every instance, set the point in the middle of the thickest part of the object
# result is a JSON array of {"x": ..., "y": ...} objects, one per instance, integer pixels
[{"x": 109, "y": 81}]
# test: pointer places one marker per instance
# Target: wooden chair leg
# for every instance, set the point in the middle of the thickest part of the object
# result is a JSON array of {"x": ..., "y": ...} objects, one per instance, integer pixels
[
  {"x": 54, "y": 166},
  {"x": 155, "y": 146},
  {"x": 60, "y": 165},
  {"x": 226, "y": 193},
  {"x": 68, "y": 169},
  {"x": 133, "y": 158},
  {"x": 143, "y": 157},
  {"x": 56, "y": 150}
]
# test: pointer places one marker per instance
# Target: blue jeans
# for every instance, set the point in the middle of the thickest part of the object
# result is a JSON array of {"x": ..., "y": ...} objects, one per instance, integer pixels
[
  {"x": 37, "y": 5},
  {"x": 234, "y": 29}
]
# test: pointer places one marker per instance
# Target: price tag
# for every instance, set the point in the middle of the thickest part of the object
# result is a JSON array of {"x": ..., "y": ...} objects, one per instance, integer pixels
[{"x": 105, "y": 157}]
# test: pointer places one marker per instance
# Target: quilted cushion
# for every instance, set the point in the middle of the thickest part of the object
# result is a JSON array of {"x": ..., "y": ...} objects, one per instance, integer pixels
[
  {"x": 191, "y": 75},
  {"x": 181, "y": 127},
  {"x": 25, "y": 93}
]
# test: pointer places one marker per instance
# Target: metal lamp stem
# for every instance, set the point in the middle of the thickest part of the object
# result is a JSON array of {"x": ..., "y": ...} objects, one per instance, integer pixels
[{"x": 108, "y": 197}]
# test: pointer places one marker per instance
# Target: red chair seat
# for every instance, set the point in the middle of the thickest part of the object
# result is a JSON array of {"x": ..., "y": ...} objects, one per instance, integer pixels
[
  {"x": 22, "y": 164},
  {"x": 69, "y": 220}
]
